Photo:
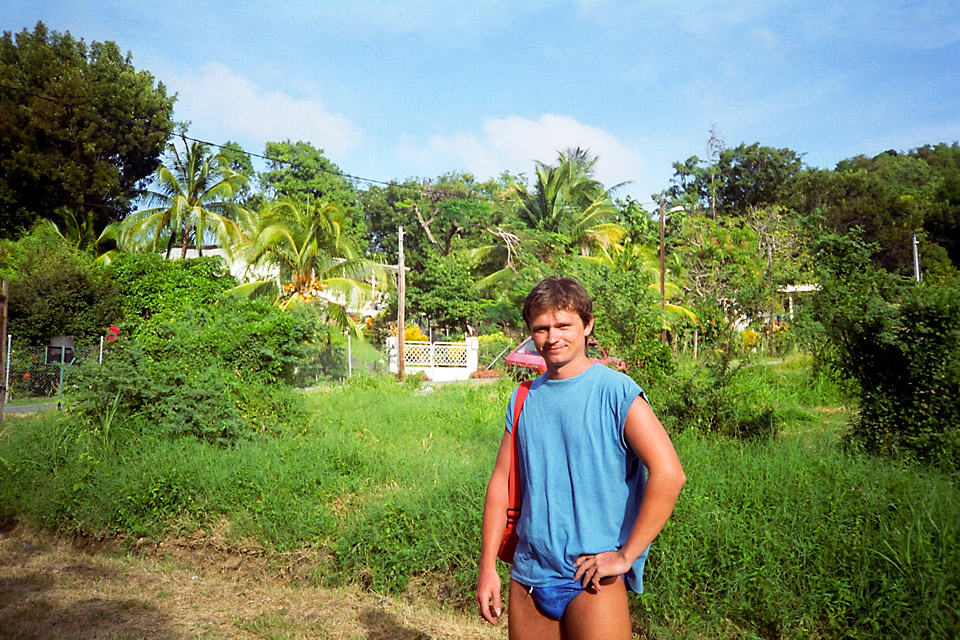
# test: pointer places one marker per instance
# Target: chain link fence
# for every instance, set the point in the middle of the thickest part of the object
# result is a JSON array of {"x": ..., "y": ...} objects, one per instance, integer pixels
[
  {"x": 30, "y": 376},
  {"x": 31, "y": 372},
  {"x": 337, "y": 362}
]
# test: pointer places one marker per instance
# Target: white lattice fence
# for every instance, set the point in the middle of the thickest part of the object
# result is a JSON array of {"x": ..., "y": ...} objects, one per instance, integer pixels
[
  {"x": 437, "y": 354},
  {"x": 438, "y": 360}
]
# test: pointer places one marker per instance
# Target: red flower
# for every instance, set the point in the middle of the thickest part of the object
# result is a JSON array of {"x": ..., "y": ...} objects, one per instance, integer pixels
[{"x": 26, "y": 375}]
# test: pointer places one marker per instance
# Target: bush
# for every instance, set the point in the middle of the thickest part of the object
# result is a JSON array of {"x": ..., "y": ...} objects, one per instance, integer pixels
[
  {"x": 149, "y": 284},
  {"x": 898, "y": 343},
  {"x": 712, "y": 399},
  {"x": 215, "y": 374},
  {"x": 55, "y": 291},
  {"x": 492, "y": 346}
]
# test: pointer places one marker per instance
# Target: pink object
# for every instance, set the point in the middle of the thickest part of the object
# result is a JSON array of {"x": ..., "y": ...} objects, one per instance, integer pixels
[{"x": 525, "y": 355}]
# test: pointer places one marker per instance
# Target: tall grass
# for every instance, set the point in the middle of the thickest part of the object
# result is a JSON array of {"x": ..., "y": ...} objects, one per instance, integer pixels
[
  {"x": 796, "y": 539},
  {"x": 788, "y": 537}
]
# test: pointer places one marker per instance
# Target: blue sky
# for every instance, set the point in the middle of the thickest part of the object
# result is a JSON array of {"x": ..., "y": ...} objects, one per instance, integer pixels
[{"x": 398, "y": 89}]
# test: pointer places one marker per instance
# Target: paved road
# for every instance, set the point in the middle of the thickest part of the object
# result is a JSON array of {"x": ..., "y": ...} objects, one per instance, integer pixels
[{"x": 29, "y": 408}]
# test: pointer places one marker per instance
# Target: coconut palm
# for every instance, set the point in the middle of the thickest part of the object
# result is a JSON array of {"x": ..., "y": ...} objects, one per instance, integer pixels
[
  {"x": 193, "y": 203},
  {"x": 296, "y": 252},
  {"x": 568, "y": 202},
  {"x": 79, "y": 231}
]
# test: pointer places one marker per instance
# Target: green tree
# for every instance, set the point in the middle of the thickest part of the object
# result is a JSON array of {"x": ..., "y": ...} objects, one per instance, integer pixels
[
  {"x": 239, "y": 162},
  {"x": 744, "y": 176},
  {"x": 54, "y": 290},
  {"x": 443, "y": 214},
  {"x": 886, "y": 196},
  {"x": 304, "y": 244},
  {"x": 444, "y": 291},
  {"x": 298, "y": 170},
  {"x": 942, "y": 220},
  {"x": 194, "y": 199},
  {"x": 721, "y": 259},
  {"x": 80, "y": 129},
  {"x": 569, "y": 206}
]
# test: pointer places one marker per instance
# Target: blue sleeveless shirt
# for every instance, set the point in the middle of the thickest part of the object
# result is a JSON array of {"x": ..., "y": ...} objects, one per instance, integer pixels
[{"x": 582, "y": 484}]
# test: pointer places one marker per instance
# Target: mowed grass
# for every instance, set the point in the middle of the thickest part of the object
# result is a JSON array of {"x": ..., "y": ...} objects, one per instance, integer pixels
[{"x": 794, "y": 537}]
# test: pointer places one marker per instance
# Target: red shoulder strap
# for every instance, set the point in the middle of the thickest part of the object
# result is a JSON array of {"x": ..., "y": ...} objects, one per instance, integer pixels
[{"x": 513, "y": 484}]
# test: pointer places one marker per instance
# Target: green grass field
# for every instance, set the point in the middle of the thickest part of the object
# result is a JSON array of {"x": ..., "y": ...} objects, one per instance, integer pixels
[{"x": 792, "y": 537}]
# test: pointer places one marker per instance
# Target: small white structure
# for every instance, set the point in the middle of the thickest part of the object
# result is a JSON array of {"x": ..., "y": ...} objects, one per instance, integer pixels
[
  {"x": 239, "y": 270},
  {"x": 439, "y": 361}
]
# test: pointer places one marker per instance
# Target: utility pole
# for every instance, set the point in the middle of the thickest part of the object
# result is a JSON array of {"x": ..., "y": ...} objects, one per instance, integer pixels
[
  {"x": 663, "y": 290},
  {"x": 401, "y": 296},
  {"x": 772, "y": 292},
  {"x": 4, "y": 298},
  {"x": 916, "y": 260}
]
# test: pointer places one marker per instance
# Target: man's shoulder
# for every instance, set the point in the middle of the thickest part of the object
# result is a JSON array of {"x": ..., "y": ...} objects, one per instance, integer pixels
[{"x": 611, "y": 375}]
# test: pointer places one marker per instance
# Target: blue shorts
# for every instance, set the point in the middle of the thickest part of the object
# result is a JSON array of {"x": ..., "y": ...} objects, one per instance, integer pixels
[{"x": 553, "y": 601}]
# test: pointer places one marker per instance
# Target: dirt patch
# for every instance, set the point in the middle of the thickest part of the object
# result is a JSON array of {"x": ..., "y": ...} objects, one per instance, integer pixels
[{"x": 195, "y": 587}]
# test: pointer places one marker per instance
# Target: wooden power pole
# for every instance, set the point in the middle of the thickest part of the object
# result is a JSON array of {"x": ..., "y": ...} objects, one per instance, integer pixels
[
  {"x": 4, "y": 303},
  {"x": 401, "y": 296}
]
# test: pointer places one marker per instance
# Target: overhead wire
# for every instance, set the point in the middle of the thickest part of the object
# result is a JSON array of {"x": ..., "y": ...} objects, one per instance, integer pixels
[{"x": 235, "y": 147}]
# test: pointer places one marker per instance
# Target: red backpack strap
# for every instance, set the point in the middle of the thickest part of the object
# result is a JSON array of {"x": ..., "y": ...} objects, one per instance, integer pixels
[{"x": 513, "y": 486}]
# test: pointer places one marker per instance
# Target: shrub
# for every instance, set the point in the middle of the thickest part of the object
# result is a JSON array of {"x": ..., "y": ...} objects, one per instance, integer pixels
[
  {"x": 55, "y": 291},
  {"x": 215, "y": 374},
  {"x": 709, "y": 399},
  {"x": 149, "y": 284},
  {"x": 491, "y": 346},
  {"x": 899, "y": 344}
]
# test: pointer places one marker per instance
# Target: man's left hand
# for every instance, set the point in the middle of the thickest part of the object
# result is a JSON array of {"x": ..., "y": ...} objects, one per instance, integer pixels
[{"x": 593, "y": 568}]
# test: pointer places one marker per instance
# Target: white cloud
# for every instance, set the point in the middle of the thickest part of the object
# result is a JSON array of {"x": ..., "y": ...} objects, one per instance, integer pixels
[
  {"x": 222, "y": 104},
  {"x": 514, "y": 143}
]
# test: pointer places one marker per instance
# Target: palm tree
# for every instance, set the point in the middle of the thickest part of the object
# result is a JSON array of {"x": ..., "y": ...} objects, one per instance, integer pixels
[
  {"x": 302, "y": 245},
  {"x": 192, "y": 201},
  {"x": 568, "y": 202},
  {"x": 639, "y": 259},
  {"x": 79, "y": 231},
  {"x": 567, "y": 207}
]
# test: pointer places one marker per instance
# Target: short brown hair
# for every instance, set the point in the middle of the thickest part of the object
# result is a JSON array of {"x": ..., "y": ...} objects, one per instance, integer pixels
[{"x": 558, "y": 293}]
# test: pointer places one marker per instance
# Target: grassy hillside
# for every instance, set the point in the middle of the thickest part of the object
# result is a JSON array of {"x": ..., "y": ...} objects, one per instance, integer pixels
[{"x": 789, "y": 537}]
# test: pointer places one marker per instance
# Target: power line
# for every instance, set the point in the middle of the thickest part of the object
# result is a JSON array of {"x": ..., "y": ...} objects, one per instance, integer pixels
[
  {"x": 232, "y": 147},
  {"x": 423, "y": 190}
]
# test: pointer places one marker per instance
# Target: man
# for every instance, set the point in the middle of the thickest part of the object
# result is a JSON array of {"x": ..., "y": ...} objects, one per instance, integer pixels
[{"x": 589, "y": 511}]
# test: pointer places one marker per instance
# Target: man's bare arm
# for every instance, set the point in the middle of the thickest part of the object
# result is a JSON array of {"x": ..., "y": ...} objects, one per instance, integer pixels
[
  {"x": 648, "y": 439},
  {"x": 494, "y": 523}
]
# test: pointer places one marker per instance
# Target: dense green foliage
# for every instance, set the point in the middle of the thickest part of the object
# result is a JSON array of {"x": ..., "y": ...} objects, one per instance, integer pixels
[
  {"x": 149, "y": 284},
  {"x": 55, "y": 152},
  {"x": 300, "y": 171},
  {"x": 790, "y": 537},
  {"x": 212, "y": 373},
  {"x": 443, "y": 292},
  {"x": 54, "y": 291},
  {"x": 192, "y": 200},
  {"x": 899, "y": 342},
  {"x": 746, "y": 176}
]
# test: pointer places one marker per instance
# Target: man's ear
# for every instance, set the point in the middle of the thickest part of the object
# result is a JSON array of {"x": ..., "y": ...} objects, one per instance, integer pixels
[{"x": 587, "y": 330}]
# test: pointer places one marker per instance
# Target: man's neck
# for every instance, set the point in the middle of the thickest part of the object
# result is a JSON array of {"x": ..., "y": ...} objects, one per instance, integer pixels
[{"x": 570, "y": 369}]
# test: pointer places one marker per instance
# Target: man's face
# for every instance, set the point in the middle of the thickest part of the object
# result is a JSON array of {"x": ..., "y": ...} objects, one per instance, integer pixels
[{"x": 560, "y": 338}]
